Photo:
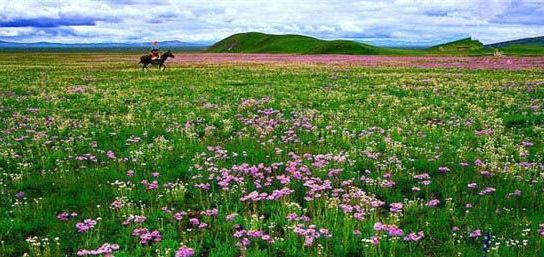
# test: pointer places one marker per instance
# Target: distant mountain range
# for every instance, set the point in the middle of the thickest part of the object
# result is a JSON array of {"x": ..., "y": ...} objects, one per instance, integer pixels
[
  {"x": 164, "y": 44},
  {"x": 255, "y": 42}
]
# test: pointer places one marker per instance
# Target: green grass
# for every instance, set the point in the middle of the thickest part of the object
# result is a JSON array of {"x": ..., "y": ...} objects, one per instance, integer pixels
[{"x": 413, "y": 120}]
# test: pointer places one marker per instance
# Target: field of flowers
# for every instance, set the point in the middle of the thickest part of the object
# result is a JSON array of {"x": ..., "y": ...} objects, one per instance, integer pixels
[{"x": 279, "y": 158}]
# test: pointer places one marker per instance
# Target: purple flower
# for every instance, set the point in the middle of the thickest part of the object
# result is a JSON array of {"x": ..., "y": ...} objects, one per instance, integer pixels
[
  {"x": 86, "y": 225},
  {"x": 110, "y": 154},
  {"x": 487, "y": 190},
  {"x": 20, "y": 194},
  {"x": 432, "y": 203},
  {"x": 414, "y": 237},
  {"x": 444, "y": 170},
  {"x": 396, "y": 207},
  {"x": 374, "y": 240},
  {"x": 106, "y": 250},
  {"x": 475, "y": 234},
  {"x": 185, "y": 251},
  {"x": 231, "y": 216}
]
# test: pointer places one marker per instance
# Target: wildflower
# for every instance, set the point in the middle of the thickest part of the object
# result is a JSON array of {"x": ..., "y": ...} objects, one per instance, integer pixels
[
  {"x": 137, "y": 219},
  {"x": 374, "y": 240},
  {"x": 472, "y": 185},
  {"x": 396, "y": 207},
  {"x": 475, "y": 233},
  {"x": 64, "y": 216},
  {"x": 147, "y": 237},
  {"x": 86, "y": 225},
  {"x": 414, "y": 236},
  {"x": 185, "y": 251},
  {"x": 105, "y": 249},
  {"x": 487, "y": 190},
  {"x": 20, "y": 194},
  {"x": 432, "y": 203},
  {"x": 378, "y": 226},
  {"x": 443, "y": 169},
  {"x": 231, "y": 216},
  {"x": 130, "y": 173},
  {"x": 479, "y": 163},
  {"x": 179, "y": 215},
  {"x": 541, "y": 229},
  {"x": 111, "y": 155}
]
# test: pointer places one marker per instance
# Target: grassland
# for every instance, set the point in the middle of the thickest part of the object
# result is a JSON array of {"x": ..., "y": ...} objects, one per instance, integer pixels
[{"x": 252, "y": 159}]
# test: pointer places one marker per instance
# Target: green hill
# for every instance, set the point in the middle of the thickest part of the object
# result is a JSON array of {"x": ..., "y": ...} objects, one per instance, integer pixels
[
  {"x": 465, "y": 46},
  {"x": 524, "y": 46},
  {"x": 254, "y": 42}
]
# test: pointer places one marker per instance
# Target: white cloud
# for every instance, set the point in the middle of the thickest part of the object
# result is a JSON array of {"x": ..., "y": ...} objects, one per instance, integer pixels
[{"x": 143, "y": 20}]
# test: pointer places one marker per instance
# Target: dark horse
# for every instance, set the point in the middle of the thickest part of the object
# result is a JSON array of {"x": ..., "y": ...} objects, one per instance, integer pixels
[{"x": 146, "y": 60}]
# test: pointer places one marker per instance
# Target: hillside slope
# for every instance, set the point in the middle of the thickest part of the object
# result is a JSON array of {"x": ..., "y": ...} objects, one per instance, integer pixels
[
  {"x": 524, "y": 46},
  {"x": 254, "y": 42},
  {"x": 523, "y": 41},
  {"x": 462, "y": 46}
]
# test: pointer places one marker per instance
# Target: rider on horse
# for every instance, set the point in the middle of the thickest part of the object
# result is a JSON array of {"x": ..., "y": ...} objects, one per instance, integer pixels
[{"x": 155, "y": 52}]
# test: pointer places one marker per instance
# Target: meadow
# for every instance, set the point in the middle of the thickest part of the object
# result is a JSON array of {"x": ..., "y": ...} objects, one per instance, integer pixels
[{"x": 271, "y": 156}]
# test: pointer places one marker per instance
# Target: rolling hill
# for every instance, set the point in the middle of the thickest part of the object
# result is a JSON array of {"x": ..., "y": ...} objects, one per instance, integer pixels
[
  {"x": 524, "y": 46},
  {"x": 254, "y": 42},
  {"x": 462, "y": 46},
  {"x": 523, "y": 41}
]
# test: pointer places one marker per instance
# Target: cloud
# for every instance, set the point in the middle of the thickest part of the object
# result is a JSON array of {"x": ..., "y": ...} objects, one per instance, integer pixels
[
  {"x": 416, "y": 21},
  {"x": 49, "y": 22}
]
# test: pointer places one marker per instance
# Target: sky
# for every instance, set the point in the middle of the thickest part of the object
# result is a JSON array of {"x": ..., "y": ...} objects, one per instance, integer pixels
[{"x": 382, "y": 22}]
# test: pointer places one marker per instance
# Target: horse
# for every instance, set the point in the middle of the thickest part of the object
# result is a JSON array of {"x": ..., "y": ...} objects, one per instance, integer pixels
[{"x": 146, "y": 60}]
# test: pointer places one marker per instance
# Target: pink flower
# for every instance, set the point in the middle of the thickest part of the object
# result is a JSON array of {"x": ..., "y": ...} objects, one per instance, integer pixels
[
  {"x": 231, "y": 216},
  {"x": 475, "y": 234},
  {"x": 185, "y": 252},
  {"x": 443, "y": 169},
  {"x": 374, "y": 240},
  {"x": 433, "y": 203},
  {"x": 396, "y": 207},
  {"x": 106, "y": 250},
  {"x": 414, "y": 237},
  {"x": 487, "y": 190},
  {"x": 111, "y": 155},
  {"x": 85, "y": 226}
]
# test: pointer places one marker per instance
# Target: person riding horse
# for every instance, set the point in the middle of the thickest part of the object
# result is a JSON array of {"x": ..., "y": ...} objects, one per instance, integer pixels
[{"x": 155, "y": 52}]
